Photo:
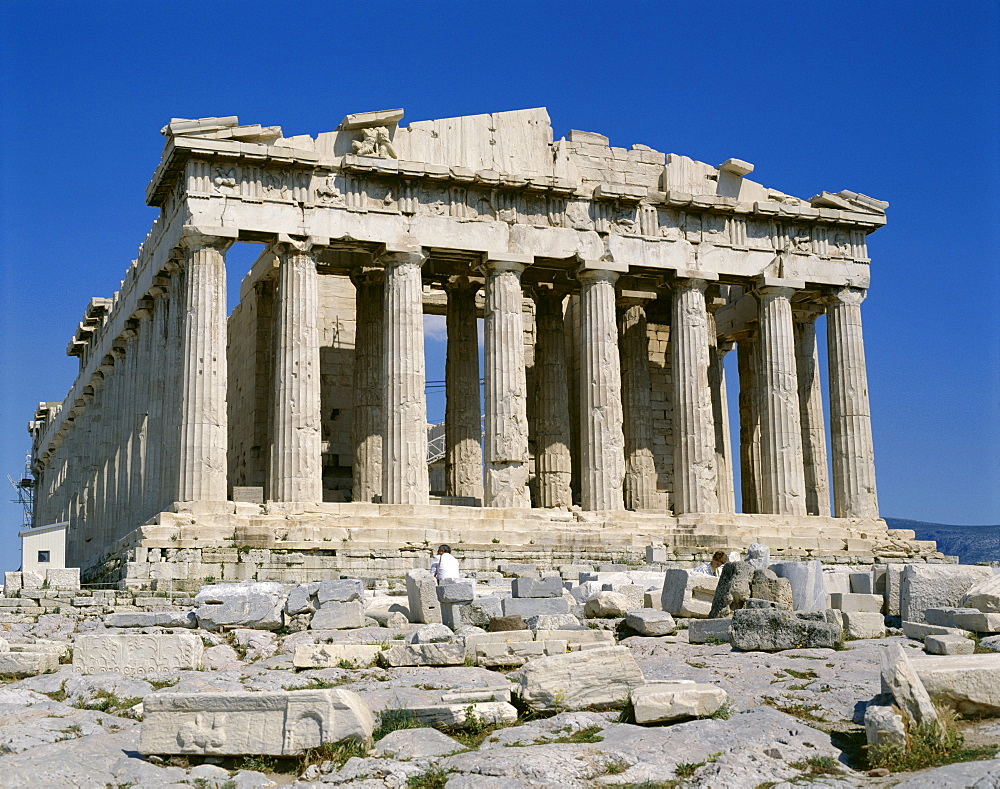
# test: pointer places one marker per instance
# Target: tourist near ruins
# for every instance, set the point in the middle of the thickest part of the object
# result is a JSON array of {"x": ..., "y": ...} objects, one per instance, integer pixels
[{"x": 250, "y": 504}]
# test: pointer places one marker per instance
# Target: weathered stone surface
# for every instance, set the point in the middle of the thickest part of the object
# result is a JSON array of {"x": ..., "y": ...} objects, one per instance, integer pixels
[
  {"x": 935, "y": 586},
  {"x": 688, "y": 594},
  {"x": 773, "y": 631},
  {"x": 651, "y": 623},
  {"x": 920, "y": 630},
  {"x": 279, "y": 723},
  {"x": 424, "y": 655},
  {"x": 332, "y": 655},
  {"x": 343, "y": 591},
  {"x": 457, "y": 715},
  {"x": 605, "y": 605},
  {"x": 901, "y": 680},
  {"x": 533, "y": 606},
  {"x": 500, "y": 624},
  {"x": 983, "y": 595},
  {"x": 152, "y": 619},
  {"x": 860, "y": 624},
  {"x": 137, "y": 654},
  {"x": 537, "y": 587},
  {"x": 945, "y": 617},
  {"x": 339, "y": 616},
  {"x": 978, "y": 775},
  {"x": 27, "y": 664},
  {"x": 968, "y": 683},
  {"x": 254, "y": 605},
  {"x": 301, "y": 598},
  {"x": 477, "y": 613},
  {"x": 459, "y": 592},
  {"x": 733, "y": 589},
  {"x": 578, "y": 638},
  {"x": 868, "y": 603},
  {"x": 421, "y": 594},
  {"x": 990, "y": 642},
  {"x": 63, "y": 578},
  {"x": 948, "y": 645},
  {"x": 417, "y": 744},
  {"x": 430, "y": 634},
  {"x": 765, "y": 585},
  {"x": 978, "y": 622},
  {"x": 661, "y": 701},
  {"x": 598, "y": 678},
  {"x": 863, "y": 583},
  {"x": 884, "y": 725},
  {"x": 701, "y": 630},
  {"x": 758, "y": 556},
  {"x": 553, "y": 622}
]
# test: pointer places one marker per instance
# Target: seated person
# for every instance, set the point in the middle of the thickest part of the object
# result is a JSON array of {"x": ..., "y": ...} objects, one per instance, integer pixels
[
  {"x": 445, "y": 566},
  {"x": 713, "y": 567}
]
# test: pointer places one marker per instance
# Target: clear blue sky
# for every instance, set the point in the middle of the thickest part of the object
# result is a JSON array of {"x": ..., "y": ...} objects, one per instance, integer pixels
[{"x": 898, "y": 100}]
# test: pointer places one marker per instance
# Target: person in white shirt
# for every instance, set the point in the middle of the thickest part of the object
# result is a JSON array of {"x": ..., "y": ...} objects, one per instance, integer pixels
[
  {"x": 445, "y": 566},
  {"x": 713, "y": 567}
]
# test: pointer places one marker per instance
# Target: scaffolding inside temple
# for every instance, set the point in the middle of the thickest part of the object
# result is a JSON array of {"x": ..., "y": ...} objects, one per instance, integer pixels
[{"x": 25, "y": 487}]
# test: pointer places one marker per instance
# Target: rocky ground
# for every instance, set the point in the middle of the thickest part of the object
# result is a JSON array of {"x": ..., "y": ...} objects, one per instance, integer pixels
[{"x": 792, "y": 719}]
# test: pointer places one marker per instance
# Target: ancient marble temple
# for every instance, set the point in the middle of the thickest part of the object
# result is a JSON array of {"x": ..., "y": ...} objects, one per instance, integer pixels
[{"x": 612, "y": 283}]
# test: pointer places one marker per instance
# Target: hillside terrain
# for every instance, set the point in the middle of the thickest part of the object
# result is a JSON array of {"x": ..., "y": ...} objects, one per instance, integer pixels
[{"x": 970, "y": 544}]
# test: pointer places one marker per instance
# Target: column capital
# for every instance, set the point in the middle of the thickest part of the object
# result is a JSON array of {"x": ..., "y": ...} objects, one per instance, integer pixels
[
  {"x": 495, "y": 265},
  {"x": 462, "y": 282},
  {"x": 683, "y": 284},
  {"x": 217, "y": 238},
  {"x": 145, "y": 309},
  {"x": 395, "y": 258},
  {"x": 846, "y": 295},
  {"x": 367, "y": 274},
  {"x": 285, "y": 244},
  {"x": 807, "y": 311},
  {"x": 589, "y": 274}
]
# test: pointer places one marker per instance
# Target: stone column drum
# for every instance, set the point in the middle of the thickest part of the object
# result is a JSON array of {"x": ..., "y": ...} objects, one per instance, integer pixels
[
  {"x": 695, "y": 473},
  {"x": 640, "y": 470},
  {"x": 506, "y": 431},
  {"x": 602, "y": 438},
  {"x": 463, "y": 463},
  {"x": 404, "y": 447},
  {"x": 553, "y": 464},
  {"x": 203, "y": 420},
  {"x": 854, "y": 494},
  {"x": 368, "y": 416},
  {"x": 296, "y": 472},
  {"x": 811, "y": 410},
  {"x": 782, "y": 474}
]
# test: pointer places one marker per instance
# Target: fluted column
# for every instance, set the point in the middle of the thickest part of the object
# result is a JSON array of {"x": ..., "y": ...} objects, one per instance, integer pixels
[
  {"x": 203, "y": 428},
  {"x": 811, "y": 411},
  {"x": 783, "y": 484},
  {"x": 463, "y": 459},
  {"x": 506, "y": 433},
  {"x": 854, "y": 494},
  {"x": 368, "y": 416},
  {"x": 748, "y": 361},
  {"x": 602, "y": 438},
  {"x": 695, "y": 472},
  {"x": 296, "y": 469},
  {"x": 640, "y": 469},
  {"x": 155, "y": 435},
  {"x": 553, "y": 464},
  {"x": 404, "y": 448},
  {"x": 170, "y": 448},
  {"x": 144, "y": 392}
]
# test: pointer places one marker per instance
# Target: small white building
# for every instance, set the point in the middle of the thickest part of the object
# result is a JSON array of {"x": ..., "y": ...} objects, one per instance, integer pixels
[{"x": 44, "y": 548}]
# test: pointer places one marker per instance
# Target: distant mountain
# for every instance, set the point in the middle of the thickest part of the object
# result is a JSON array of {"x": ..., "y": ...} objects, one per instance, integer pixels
[{"x": 970, "y": 544}]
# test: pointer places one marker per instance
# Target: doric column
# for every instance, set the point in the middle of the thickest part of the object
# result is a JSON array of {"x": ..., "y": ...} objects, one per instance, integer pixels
[
  {"x": 854, "y": 494},
  {"x": 506, "y": 431},
  {"x": 463, "y": 458},
  {"x": 782, "y": 474},
  {"x": 553, "y": 465},
  {"x": 118, "y": 473},
  {"x": 601, "y": 435},
  {"x": 811, "y": 410},
  {"x": 368, "y": 416},
  {"x": 170, "y": 447},
  {"x": 296, "y": 472},
  {"x": 640, "y": 470},
  {"x": 748, "y": 360},
  {"x": 695, "y": 473},
  {"x": 144, "y": 392},
  {"x": 404, "y": 448},
  {"x": 155, "y": 436},
  {"x": 203, "y": 428}
]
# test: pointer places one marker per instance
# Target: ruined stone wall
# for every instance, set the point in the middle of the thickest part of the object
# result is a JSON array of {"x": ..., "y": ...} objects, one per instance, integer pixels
[{"x": 660, "y": 401}]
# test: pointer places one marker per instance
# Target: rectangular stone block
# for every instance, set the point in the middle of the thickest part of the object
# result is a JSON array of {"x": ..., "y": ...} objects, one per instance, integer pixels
[
  {"x": 936, "y": 586},
  {"x": 870, "y": 603},
  {"x": 248, "y": 494},
  {"x": 700, "y": 630},
  {"x": 342, "y": 591},
  {"x": 893, "y": 581},
  {"x": 63, "y": 578},
  {"x": 273, "y": 723},
  {"x": 653, "y": 600},
  {"x": 533, "y": 606},
  {"x": 863, "y": 624},
  {"x": 473, "y": 641},
  {"x": 578, "y": 639},
  {"x": 862, "y": 583},
  {"x": 332, "y": 655},
  {"x": 137, "y": 653},
  {"x": 688, "y": 594},
  {"x": 656, "y": 554},
  {"x": 966, "y": 682},
  {"x": 424, "y": 655},
  {"x": 421, "y": 595},
  {"x": 571, "y": 572},
  {"x": 456, "y": 592},
  {"x": 920, "y": 630},
  {"x": 945, "y": 617},
  {"x": 521, "y": 570},
  {"x": 948, "y": 645},
  {"x": 11, "y": 584},
  {"x": 978, "y": 622},
  {"x": 537, "y": 587},
  {"x": 806, "y": 580},
  {"x": 339, "y": 616},
  {"x": 27, "y": 664}
]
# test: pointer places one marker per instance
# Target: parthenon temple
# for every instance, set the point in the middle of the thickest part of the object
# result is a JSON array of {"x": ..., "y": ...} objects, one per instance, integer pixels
[{"x": 291, "y": 434}]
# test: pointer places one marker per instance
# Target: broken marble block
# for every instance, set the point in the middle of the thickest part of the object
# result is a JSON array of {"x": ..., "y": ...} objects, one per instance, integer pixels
[
  {"x": 254, "y": 605},
  {"x": 537, "y": 587},
  {"x": 421, "y": 594},
  {"x": 453, "y": 716},
  {"x": 137, "y": 653},
  {"x": 578, "y": 639},
  {"x": 967, "y": 683},
  {"x": 806, "y": 580},
  {"x": 533, "y": 606},
  {"x": 868, "y": 603},
  {"x": 651, "y": 623},
  {"x": 27, "y": 664},
  {"x": 273, "y": 723},
  {"x": 948, "y": 645},
  {"x": 423, "y": 655},
  {"x": 606, "y": 605},
  {"x": 862, "y": 624},
  {"x": 977, "y": 621},
  {"x": 900, "y": 679},
  {"x": 733, "y": 589},
  {"x": 984, "y": 595},
  {"x": 700, "y": 631},
  {"x": 659, "y": 702},
  {"x": 344, "y": 590},
  {"x": 459, "y": 592},
  {"x": 598, "y": 678},
  {"x": 152, "y": 619},
  {"x": 335, "y": 655},
  {"x": 302, "y": 598},
  {"x": 764, "y": 630},
  {"x": 935, "y": 586},
  {"x": 65, "y": 578},
  {"x": 339, "y": 616},
  {"x": 688, "y": 594},
  {"x": 884, "y": 725},
  {"x": 513, "y": 654}
]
